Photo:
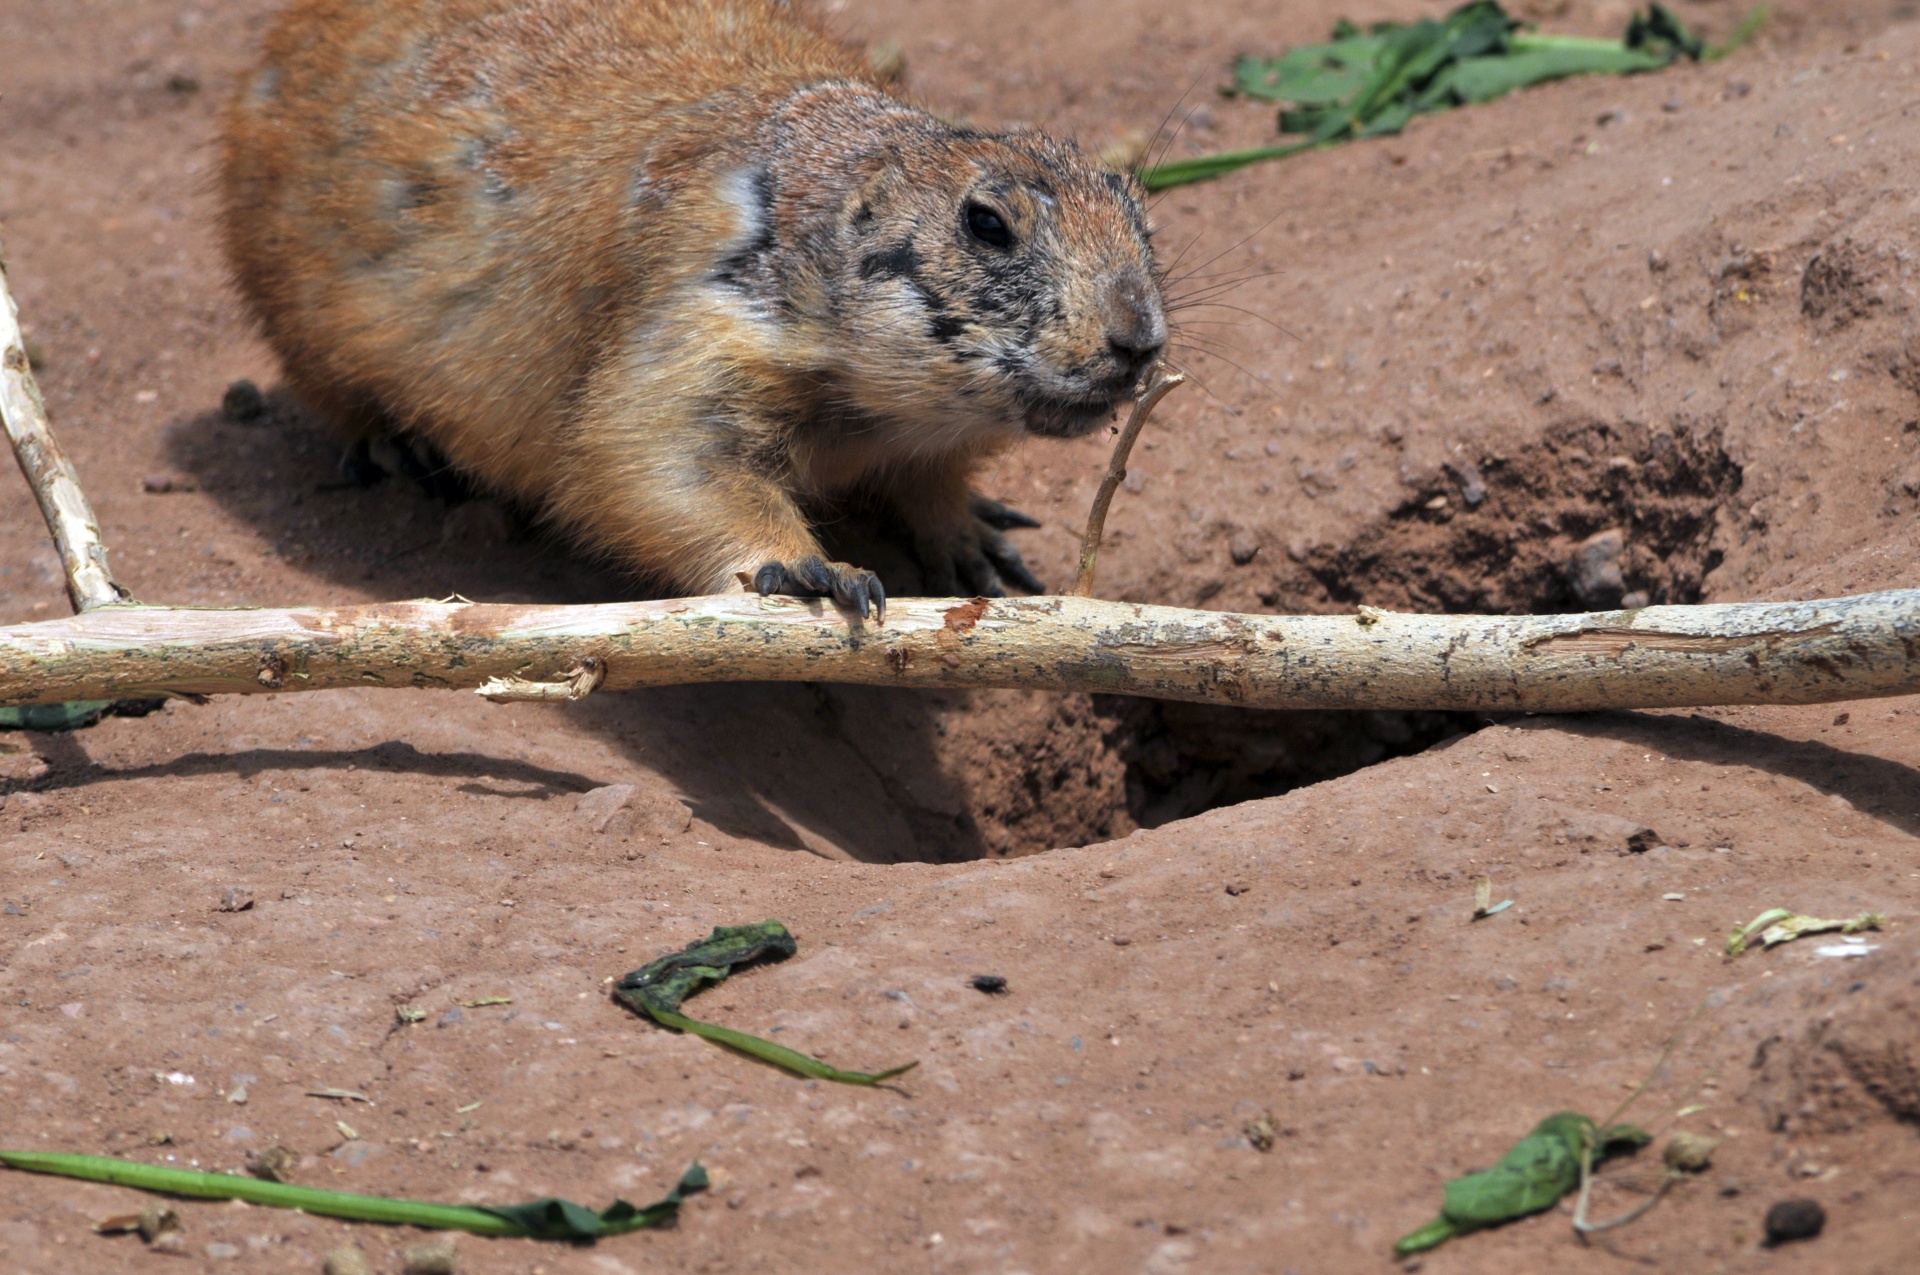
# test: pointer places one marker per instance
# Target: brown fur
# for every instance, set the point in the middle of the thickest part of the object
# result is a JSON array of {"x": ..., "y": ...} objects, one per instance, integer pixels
[{"x": 672, "y": 269}]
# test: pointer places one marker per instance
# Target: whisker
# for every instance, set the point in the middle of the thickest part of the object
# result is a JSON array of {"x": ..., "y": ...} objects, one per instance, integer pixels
[
  {"x": 1174, "y": 136},
  {"x": 1237, "y": 309},
  {"x": 1260, "y": 384}
]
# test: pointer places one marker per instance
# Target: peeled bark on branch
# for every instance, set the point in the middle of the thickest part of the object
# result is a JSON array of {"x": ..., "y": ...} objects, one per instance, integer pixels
[{"x": 1656, "y": 657}]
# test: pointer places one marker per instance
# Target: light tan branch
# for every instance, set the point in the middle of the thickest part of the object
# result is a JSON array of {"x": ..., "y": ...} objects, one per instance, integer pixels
[
  {"x": 1162, "y": 382},
  {"x": 76, "y": 533},
  {"x": 1657, "y": 657}
]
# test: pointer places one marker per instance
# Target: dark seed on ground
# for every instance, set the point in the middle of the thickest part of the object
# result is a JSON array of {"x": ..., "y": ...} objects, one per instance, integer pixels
[
  {"x": 989, "y": 983},
  {"x": 1791, "y": 1220}
]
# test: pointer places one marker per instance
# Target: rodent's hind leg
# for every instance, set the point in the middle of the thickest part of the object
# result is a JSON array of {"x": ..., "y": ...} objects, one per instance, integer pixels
[
  {"x": 968, "y": 554},
  {"x": 1006, "y": 559},
  {"x": 852, "y": 587}
]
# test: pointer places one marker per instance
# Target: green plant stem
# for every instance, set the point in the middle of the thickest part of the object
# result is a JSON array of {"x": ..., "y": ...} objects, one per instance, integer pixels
[
  {"x": 1181, "y": 172},
  {"x": 228, "y": 1186},
  {"x": 341, "y": 1204},
  {"x": 766, "y": 1051}
]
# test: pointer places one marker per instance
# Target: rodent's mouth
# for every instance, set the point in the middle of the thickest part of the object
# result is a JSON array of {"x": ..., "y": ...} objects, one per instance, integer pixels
[{"x": 1068, "y": 418}]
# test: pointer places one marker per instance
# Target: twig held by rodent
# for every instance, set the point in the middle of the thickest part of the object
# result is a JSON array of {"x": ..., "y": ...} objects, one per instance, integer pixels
[
  {"x": 1158, "y": 386},
  {"x": 76, "y": 533}
]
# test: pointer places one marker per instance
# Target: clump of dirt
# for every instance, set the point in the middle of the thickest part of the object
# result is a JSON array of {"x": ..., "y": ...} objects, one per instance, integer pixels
[
  {"x": 1589, "y": 516},
  {"x": 1852, "y": 1054}
]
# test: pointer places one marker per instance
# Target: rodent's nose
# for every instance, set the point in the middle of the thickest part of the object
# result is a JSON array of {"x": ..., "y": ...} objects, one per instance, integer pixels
[{"x": 1136, "y": 323}]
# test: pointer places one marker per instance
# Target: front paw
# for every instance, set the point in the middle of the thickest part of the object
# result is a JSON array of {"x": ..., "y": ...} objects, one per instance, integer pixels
[
  {"x": 852, "y": 587},
  {"x": 976, "y": 560}
]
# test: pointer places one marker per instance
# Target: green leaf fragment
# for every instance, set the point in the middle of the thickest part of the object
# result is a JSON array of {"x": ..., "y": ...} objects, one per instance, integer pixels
[
  {"x": 77, "y": 714},
  {"x": 1783, "y": 925},
  {"x": 72, "y": 715},
  {"x": 547, "y": 1219},
  {"x": 1533, "y": 1175},
  {"x": 1371, "y": 83},
  {"x": 658, "y": 988}
]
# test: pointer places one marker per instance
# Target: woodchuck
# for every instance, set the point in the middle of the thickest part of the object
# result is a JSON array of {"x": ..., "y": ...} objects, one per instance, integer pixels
[{"x": 676, "y": 272}]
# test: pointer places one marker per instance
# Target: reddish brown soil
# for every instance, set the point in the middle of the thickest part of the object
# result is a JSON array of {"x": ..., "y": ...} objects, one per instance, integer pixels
[{"x": 1679, "y": 307}]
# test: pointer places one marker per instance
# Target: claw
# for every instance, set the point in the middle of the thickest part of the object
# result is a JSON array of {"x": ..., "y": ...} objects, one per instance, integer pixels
[
  {"x": 998, "y": 516},
  {"x": 851, "y": 587}
]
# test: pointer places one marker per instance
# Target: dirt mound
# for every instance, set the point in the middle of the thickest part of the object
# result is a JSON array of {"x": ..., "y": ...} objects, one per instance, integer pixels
[
  {"x": 1587, "y": 517},
  {"x": 1853, "y": 1056}
]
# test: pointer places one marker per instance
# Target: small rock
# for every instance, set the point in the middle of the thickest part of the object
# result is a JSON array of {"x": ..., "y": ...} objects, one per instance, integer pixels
[
  {"x": 1243, "y": 549},
  {"x": 1260, "y": 1131},
  {"x": 236, "y": 898},
  {"x": 625, "y": 810},
  {"x": 1473, "y": 489},
  {"x": 435, "y": 1257},
  {"x": 346, "y": 1260},
  {"x": 243, "y": 403},
  {"x": 1643, "y": 839},
  {"x": 992, "y": 984},
  {"x": 275, "y": 1164},
  {"x": 157, "y": 1220},
  {"x": 1656, "y": 260},
  {"x": 353, "y": 1153},
  {"x": 222, "y": 1252},
  {"x": 1689, "y": 1152},
  {"x": 160, "y": 484},
  {"x": 1791, "y": 1220},
  {"x": 1609, "y": 367},
  {"x": 1593, "y": 572},
  {"x": 1673, "y": 104}
]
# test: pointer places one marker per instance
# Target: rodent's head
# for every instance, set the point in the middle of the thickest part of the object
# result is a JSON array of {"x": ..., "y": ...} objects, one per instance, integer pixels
[{"x": 1004, "y": 281}]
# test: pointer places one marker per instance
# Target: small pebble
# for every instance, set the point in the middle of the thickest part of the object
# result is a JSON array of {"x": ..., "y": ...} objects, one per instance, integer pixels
[
  {"x": 1791, "y": 1220},
  {"x": 1689, "y": 1152},
  {"x": 236, "y": 898},
  {"x": 989, "y": 983},
  {"x": 243, "y": 403},
  {"x": 222, "y": 1252},
  {"x": 435, "y": 1257},
  {"x": 157, "y": 1220},
  {"x": 346, "y": 1260}
]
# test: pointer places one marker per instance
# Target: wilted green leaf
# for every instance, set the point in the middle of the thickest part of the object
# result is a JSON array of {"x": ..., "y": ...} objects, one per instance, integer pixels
[
  {"x": 1367, "y": 84},
  {"x": 1783, "y": 925},
  {"x": 72, "y": 715},
  {"x": 658, "y": 988},
  {"x": 1533, "y": 1175}
]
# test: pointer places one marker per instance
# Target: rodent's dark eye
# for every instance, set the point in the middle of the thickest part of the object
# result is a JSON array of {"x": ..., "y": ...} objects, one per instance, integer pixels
[{"x": 988, "y": 226}]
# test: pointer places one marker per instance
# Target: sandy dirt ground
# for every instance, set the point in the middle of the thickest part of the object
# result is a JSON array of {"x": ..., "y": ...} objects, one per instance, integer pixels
[{"x": 1677, "y": 308}]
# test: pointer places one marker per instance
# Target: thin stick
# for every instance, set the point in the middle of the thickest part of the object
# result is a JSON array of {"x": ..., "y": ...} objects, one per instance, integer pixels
[
  {"x": 1581, "y": 1226},
  {"x": 1157, "y": 389},
  {"x": 76, "y": 533},
  {"x": 1656, "y": 657}
]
